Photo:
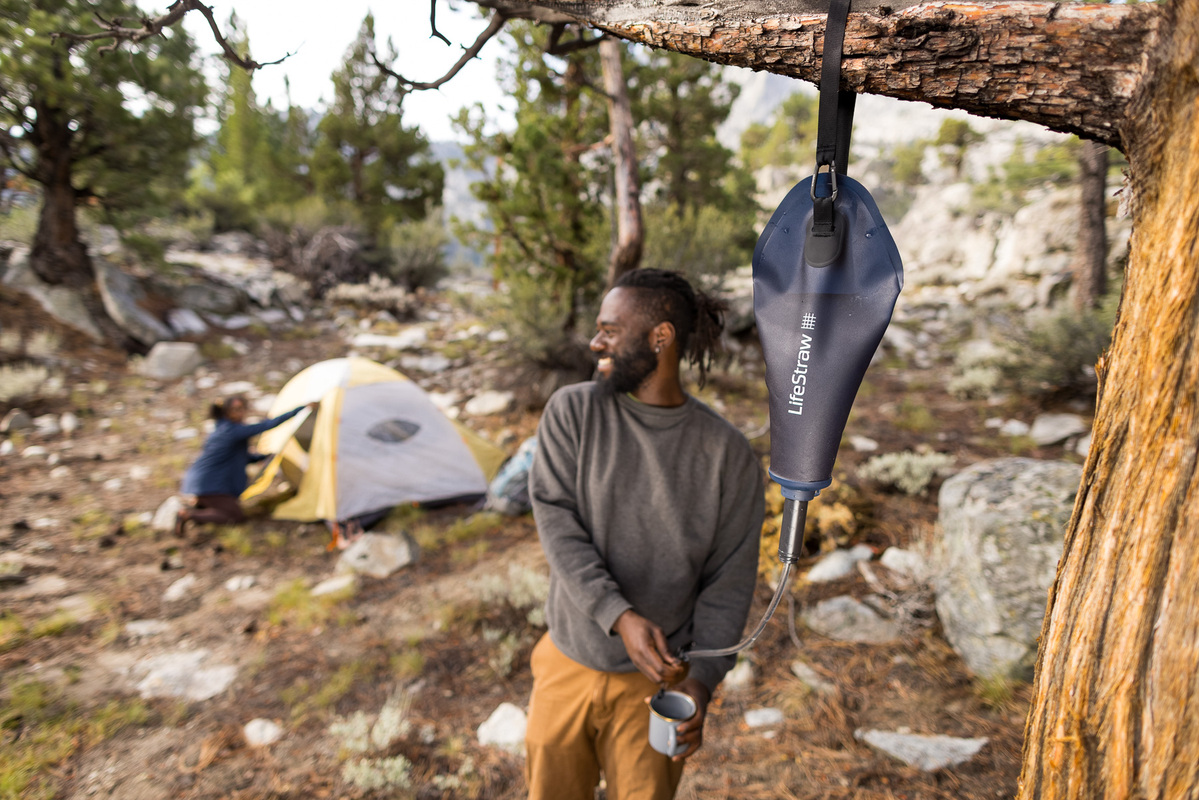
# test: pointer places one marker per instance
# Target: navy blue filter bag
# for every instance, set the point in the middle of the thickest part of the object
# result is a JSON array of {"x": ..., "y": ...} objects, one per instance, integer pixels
[{"x": 826, "y": 277}]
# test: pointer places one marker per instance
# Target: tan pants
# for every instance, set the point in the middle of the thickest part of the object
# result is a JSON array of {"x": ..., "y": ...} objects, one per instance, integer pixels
[{"x": 582, "y": 722}]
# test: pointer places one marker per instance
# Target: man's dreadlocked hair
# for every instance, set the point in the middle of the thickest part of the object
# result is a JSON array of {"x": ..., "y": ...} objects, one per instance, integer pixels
[{"x": 698, "y": 319}]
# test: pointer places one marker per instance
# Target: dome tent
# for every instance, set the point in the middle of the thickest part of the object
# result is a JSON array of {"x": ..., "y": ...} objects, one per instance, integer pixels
[{"x": 376, "y": 441}]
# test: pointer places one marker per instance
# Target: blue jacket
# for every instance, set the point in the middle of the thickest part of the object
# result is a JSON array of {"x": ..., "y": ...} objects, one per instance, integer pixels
[{"x": 221, "y": 467}]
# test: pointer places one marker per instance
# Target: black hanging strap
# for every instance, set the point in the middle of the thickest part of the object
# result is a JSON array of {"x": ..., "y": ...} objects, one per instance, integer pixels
[
  {"x": 835, "y": 121},
  {"x": 834, "y": 126}
]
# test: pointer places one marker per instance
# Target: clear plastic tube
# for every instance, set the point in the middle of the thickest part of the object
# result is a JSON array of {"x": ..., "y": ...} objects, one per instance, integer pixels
[{"x": 728, "y": 651}]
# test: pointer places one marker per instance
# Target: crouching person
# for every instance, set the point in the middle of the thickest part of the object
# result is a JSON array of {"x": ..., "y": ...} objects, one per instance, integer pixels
[{"x": 218, "y": 476}]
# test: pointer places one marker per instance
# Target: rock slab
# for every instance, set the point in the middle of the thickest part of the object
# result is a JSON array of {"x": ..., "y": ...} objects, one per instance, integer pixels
[
  {"x": 922, "y": 751},
  {"x": 1000, "y": 536}
]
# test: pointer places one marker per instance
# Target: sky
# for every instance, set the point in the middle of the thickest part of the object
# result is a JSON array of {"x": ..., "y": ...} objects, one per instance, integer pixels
[{"x": 319, "y": 32}]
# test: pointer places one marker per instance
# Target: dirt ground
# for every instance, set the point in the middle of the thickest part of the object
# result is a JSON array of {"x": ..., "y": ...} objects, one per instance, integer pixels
[{"x": 80, "y": 566}]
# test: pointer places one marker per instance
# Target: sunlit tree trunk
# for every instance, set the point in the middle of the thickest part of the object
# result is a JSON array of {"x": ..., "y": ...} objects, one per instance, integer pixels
[{"x": 630, "y": 234}]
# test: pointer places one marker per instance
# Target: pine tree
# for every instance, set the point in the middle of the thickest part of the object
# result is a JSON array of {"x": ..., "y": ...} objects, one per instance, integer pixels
[
  {"x": 364, "y": 154},
  {"x": 548, "y": 234},
  {"x": 112, "y": 130}
]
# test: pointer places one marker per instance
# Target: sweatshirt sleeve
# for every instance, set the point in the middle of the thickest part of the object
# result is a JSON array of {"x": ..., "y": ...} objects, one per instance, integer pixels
[
  {"x": 569, "y": 547},
  {"x": 727, "y": 583},
  {"x": 246, "y": 431}
]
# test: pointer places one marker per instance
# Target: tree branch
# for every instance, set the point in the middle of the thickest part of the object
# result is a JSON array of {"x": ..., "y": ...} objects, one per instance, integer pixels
[
  {"x": 493, "y": 27},
  {"x": 1070, "y": 67},
  {"x": 154, "y": 26},
  {"x": 433, "y": 22},
  {"x": 557, "y": 47}
]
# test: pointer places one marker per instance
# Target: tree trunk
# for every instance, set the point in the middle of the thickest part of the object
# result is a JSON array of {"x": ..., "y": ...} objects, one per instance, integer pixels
[
  {"x": 58, "y": 256},
  {"x": 630, "y": 234},
  {"x": 1117, "y": 686},
  {"x": 1090, "y": 255}
]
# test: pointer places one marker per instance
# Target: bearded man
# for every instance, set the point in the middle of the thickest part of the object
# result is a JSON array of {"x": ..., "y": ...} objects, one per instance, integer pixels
[{"x": 649, "y": 507}]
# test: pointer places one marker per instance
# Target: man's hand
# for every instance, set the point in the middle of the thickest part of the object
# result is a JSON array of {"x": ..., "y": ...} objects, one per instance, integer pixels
[
  {"x": 691, "y": 732},
  {"x": 647, "y": 647}
]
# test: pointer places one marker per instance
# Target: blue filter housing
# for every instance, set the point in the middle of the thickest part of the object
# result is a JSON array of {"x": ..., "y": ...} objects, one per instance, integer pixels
[{"x": 820, "y": 324}]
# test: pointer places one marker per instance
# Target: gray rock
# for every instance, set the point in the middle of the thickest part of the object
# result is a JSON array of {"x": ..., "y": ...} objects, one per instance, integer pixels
[
  {"x": 186, "y": 322},
  {"x": 904, "y": 562},
  {"x": 812, "y": 679},
  {"x": 68, "y": 423},
  {"x": 924, "y": 752},
  {"x": 838, "y": 564},
  {"x": 1014, "y": 427},
  {"x": 7, "y": 447},
  {"x": 487, "y": 403},
  {"x": 144, "y": 628},
  {"x": 180, "y": 589},
  {"x": 189, "y": 674},
  {"x": 1056, "y": 428},
  {"x": 167, "y": 361},
  {"x": 239, "y": 583},
  {"x": 261, "y": 732},
  {"x": 123, "y": 296},
  {"x": 16, "y": 420},
  {"x": 47, "y": 425},
  {"x": 763, "y": 717},
  {"x": 64, "y": 304},
  {"x": 999, "y": 541},
  {"x": 431, "y": 364},
  {"x": 412, "y": 338},
  {"x": 335, "y": 585},
  {"x": 863, "y": 444},
  {"x": 740, "y": 678},
  {"x": 185, "y": 433},
  {"x": 1083, "y": 446},
  {"x": 34, "y": 451},
  {"x": 378, "y": 555},
  {"x": 848, "y": 620},
  {"x": 505, "y": 728},
  {"x": 164, "y": 517}
]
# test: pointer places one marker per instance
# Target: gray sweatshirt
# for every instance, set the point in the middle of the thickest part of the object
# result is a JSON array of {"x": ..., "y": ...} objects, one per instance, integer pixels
[{"x": 654, "y": 509}]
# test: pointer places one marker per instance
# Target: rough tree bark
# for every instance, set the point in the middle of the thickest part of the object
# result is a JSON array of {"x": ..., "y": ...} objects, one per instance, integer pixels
[
  {"x": 1090, "y": 253},
  {"x": 1117, "y": 687},
  {"x": 630, "y": 235}
]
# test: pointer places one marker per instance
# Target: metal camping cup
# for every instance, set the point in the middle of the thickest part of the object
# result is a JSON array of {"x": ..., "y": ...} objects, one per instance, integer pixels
[{"x": 668, "y": 710}]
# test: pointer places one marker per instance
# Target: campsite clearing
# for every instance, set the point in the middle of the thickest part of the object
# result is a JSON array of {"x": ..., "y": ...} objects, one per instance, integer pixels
[{"x": 385, "y": 683}]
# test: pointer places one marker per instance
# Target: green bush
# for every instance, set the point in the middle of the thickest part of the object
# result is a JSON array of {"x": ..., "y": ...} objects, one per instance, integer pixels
[
  {"x": 909, "y": 472},
  {"x": 696, "y": 242},
  {"x": 417, "y": 249},
  {"x": 1057, "y": 353}
]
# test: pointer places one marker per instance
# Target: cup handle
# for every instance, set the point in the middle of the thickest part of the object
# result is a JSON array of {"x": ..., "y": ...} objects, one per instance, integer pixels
[{"x": 672, "y": 739}]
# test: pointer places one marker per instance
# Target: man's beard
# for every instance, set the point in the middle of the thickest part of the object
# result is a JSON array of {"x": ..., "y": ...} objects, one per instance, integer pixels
[{"x": 630, "y": 370}]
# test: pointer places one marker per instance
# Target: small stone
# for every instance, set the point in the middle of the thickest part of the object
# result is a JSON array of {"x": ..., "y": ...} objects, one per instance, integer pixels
[
  {"x": 1050, "y": 429},
  {"x": 69, "y": 423},
  {"x": 34, "y": 451},
  {"x": 1013, "y": 427},
  {"x": 905, "y": 562},
  {"x": 16, "y": 420},
  {"x": 849, "y": 620},
  {"x": 487, "y": 403},
  {"x": 239, "y": 583},
  {"x": 378, "y": 555},
  {"x": 812, "y": 679},
  {"x": 184, "y": 434},
  {"x": 740, "y": 678},
  {"x": 336, "y": 584},
  {"x": 60, "y": 472},
  {"x": 838, "y": 564},
  {"x": 261, "y": 732},
  {"x": 164, "y": 518},
  {"x": 6, "y": 447},
  {"x": 140, "y": 472},
  {"x": 180, "y": 589},
  {"x": 505, "y": 728},
  {"x": 47, "y": 425},
  {"x": 862, "y": 444},
  {"x": 763, "y": 717},
  {"x": 143, "y": 628}
]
